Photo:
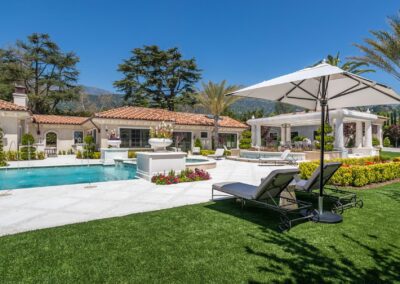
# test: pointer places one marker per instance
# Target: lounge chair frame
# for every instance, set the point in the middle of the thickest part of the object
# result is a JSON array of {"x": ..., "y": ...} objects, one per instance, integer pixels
[
  {"x": 341, "y": 199},
  {"x": 288, "y": 214}
]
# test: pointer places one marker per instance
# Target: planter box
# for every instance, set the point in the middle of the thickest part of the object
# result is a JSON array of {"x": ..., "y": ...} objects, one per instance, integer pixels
[{"x": 150, "y": 164}]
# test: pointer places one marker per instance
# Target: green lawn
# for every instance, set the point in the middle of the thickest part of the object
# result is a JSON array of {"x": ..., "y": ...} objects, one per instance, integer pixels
[
  {"x": 389, "y": 155},
  {"x": 213, "y": 242}
]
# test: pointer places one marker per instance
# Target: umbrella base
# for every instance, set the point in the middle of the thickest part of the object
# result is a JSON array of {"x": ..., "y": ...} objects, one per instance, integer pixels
[{"x": 327, "y": 217}]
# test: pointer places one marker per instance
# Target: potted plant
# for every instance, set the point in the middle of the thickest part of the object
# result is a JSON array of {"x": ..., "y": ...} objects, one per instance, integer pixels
[{"x": 161, "y": 136}]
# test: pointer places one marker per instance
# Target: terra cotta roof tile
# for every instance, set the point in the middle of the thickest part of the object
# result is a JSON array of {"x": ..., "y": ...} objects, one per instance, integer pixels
[
  {"x": 154, "y": 114},
  {"x": 59, "y": 119},
  {"x": 4, "y": 105}
]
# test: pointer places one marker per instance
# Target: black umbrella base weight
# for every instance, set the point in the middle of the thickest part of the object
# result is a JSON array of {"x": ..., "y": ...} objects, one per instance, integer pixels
[{"x": 327, "y": 217}]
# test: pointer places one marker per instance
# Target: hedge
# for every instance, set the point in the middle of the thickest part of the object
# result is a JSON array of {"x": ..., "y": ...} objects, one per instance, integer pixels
[
  {"x": 212, "y": 152},
  {"x": 357, "y": 174}
]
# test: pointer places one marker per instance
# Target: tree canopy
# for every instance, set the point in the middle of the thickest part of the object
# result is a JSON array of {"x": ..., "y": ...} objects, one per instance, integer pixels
[
  {"x": 158, "y": 78},
  {"x": 383, "y": 50},
  {"x": 350, "y": 66},
  {"x": 49, "y": 75}
]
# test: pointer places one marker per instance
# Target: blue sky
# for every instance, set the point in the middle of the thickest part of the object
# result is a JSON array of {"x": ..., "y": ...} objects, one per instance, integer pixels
[{"x": 243, "y": 42}]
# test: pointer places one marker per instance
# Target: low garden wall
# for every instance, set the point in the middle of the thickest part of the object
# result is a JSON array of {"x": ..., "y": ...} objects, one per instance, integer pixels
[{"x": 357, "y": 172}]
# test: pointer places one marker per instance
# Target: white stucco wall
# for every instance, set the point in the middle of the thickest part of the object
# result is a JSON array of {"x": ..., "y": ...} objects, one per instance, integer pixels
[{"x": 10, "y": 121}]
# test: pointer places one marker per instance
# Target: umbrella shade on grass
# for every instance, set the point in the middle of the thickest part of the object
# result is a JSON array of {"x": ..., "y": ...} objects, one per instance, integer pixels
[{"x": 316, "y": 88}]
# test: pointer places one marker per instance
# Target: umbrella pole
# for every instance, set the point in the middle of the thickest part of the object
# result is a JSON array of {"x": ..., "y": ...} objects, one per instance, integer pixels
[
  {"x": 324, "y": 216},
  {"x": 322, "y": 153}
]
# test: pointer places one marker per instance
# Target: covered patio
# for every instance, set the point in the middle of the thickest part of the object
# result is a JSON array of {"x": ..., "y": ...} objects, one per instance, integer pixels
[{"x": 347, "y": 124}]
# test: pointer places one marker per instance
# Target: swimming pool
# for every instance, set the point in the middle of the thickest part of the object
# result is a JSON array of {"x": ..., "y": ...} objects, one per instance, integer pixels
[
  {"x": 48, "y": 176},
  {"x": 195, "y": 160}
]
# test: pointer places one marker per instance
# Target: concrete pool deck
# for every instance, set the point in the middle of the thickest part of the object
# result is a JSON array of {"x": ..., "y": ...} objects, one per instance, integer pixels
[{"x": 36, "y": 208}]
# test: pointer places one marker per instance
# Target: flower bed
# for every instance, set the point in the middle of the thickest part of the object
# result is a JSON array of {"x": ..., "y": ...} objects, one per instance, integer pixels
[
  {"x": 357, "y": 172},
  {"x": 187, "y": 175}
]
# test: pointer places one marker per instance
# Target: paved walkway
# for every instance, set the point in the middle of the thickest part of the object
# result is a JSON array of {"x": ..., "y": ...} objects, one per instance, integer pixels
[{"x": 35, "y": 208}]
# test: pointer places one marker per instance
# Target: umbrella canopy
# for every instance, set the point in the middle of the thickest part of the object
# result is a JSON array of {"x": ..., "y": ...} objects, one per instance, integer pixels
[
  {"x": 316, "y": 88},
  {"x": 304, "y": 88}
]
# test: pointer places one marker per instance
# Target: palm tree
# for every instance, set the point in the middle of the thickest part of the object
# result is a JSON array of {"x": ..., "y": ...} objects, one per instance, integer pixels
[
  {"x": 383, "y": 51},
  {"x": 350, "y": 66},
  {"x": 214, "y": 101}
]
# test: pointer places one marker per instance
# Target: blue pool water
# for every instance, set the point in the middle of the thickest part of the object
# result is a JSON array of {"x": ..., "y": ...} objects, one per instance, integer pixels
[
  {"x": 194, "y": 160},
  {"x": 48, "y": 176}
]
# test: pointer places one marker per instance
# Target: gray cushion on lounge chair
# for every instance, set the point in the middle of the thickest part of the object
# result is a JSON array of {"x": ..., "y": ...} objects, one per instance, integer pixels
[
  {"x": 313, "y": 182},
  {"x": 270, "y": 187},
  {"x": 244, "y": 190}
]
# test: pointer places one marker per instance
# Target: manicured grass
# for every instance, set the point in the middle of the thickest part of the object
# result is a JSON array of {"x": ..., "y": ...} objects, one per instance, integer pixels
[
  {"x": 389, "y": 155},
  {"x": 214, "y": 242}
]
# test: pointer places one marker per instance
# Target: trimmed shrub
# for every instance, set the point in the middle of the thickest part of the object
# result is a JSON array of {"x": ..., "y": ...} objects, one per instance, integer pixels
[
  {"x": 131, "y": 154},
  {"x": 96, "y": 155},
  {"x": 212, "y": 152},
  {"x": 28, "y": 152},
  {"x": 375, "y": 141},
  {"x": 13, "y": 155},
  {"x": 197, "y": 143},
  {"x": 329, "y": 139},
  {"x": 357, "y": 172},
  {"x": 3, "y": 161},
  {"x": 41, "y": 155},
  {"x": 386, "y": 142},
  {"x": 89, "y": 147},
  {"x": 245, "y": 141}
]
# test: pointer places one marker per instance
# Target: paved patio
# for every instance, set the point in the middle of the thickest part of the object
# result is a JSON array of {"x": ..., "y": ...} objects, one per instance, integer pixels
[{"x": 35, "y": 208}]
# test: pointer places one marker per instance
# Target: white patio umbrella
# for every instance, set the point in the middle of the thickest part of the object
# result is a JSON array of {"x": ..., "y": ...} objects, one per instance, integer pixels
[{"x": 316, "y": 88}]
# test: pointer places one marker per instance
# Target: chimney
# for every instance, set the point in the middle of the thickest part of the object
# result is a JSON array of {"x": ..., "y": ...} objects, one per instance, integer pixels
[{"x": 20, "y": 97}]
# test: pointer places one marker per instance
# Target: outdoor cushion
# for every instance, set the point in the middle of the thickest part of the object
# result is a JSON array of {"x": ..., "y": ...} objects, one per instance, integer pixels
[
  {"x": 244, "y": 190},
  {"x": 270, "y": 187}
]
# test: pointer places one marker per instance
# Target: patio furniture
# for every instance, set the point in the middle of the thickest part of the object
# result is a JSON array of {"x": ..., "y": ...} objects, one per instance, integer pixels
[
  {"x": 342, "y": 199},
  {"x": 219, "y": 154},
  {"x": 285, "y": 158},
  {"x": 196, "y": 151},
  {"x": 268, "y": 195}
]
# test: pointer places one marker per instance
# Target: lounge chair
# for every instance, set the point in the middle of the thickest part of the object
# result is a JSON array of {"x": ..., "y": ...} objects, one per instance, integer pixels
[
  {"x": 219, "y": 154},
  {"x": 285, "y": 158},
  {"x": 342, "y": 199},
  {"x": 268, "y": 194},
  {"x": 196, "y": 151}
]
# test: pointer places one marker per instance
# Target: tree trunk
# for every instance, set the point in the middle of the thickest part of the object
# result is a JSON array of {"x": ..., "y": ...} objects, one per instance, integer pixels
[{"x": 216, "y": 128}]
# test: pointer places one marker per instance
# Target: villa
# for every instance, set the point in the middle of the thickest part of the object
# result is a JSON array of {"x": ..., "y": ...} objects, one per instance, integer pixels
[{"x": 130, "y": 124}]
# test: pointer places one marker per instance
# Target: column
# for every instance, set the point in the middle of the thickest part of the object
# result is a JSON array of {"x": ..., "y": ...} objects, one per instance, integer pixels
[
  {"x": 339, "y": 137},
  {"x": 379, "y": 134},
  {"x": 288, "y": 134},
  {"x": 258, "y": 135},
  {"x": 253, "y": 135},
  {"x": 359, "y": 136},
  {"x": 368, "y": 134},
  {"x": 283, "y": 134}
]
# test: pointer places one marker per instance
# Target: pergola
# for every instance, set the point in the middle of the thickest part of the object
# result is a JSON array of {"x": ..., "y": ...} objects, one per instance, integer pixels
[{"x": 336, "y": 118}]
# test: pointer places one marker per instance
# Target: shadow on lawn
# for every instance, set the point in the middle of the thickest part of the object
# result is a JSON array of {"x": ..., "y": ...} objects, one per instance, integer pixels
[
  {"x": 302, "y": 262},
  {"x": 305, "y": 263}
]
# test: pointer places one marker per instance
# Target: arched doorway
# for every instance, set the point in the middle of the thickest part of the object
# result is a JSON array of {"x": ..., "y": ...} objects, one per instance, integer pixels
[{"x": 51, "y": 144}]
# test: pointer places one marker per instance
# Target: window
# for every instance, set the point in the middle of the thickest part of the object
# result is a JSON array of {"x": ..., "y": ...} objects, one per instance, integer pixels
[
  {"x": 182, "y": 140},
  {"x": 294, "y": 134},
  {"x": 51, "y": 139},
  {"x": 273, "y": 136},
  {"x": 204, "y": 135},
  {"x": 134, "y": 138},
  {"x": 227, "y": 139},
  {"x": 78, "y": 137}
]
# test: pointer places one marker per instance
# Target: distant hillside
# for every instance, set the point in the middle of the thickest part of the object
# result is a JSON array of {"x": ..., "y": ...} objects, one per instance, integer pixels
[
  {"x": 95, "y": 91},
  {"x": 250, "y": 104}
]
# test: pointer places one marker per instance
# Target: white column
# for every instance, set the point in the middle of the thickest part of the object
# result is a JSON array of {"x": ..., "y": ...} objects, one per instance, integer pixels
[
  {"x": 339, "y": 137},
  {"x": 283, "y": 134},
  {"x": 380, "y": 134},
  {"x": 258, "y": 135},
  {"x": 253, "y": 135},
  {"x": 359, "y": 136},
  {"x": 288, "y": 134},
  {"x": 368, "y": 134}
]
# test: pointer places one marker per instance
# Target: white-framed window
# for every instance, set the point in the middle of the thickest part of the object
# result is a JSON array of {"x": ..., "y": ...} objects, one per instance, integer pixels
[
  {"x": 204, "y": 134},
  {"x": 78, "y": 137}
]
